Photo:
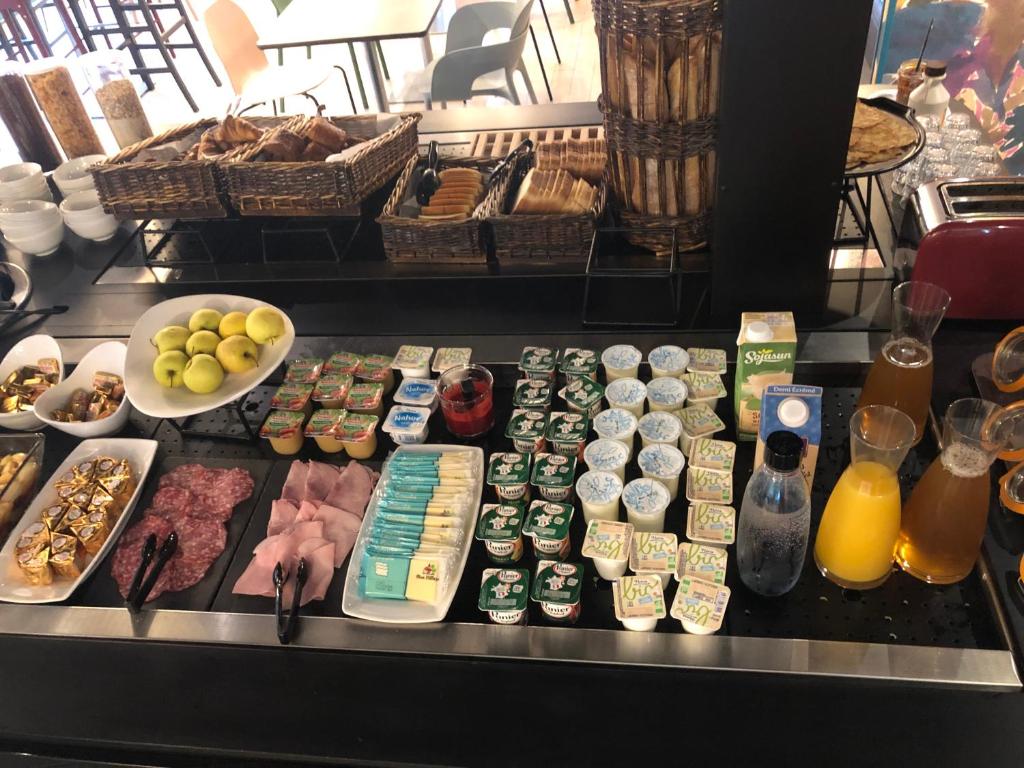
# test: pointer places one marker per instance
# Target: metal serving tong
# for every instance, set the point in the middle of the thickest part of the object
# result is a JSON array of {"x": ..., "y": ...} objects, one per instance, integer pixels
[
  {"x": 286, "y": 623},
  {"x": 141, "y": 588}
]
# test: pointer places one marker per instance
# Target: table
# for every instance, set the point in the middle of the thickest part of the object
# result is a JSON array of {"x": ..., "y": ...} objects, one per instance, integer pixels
[{"x": 319, "y": 22}]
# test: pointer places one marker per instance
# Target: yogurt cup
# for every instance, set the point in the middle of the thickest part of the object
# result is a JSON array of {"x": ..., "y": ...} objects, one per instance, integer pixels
[
  {"x": 304, "y": 370},
  {"x": 284, "y": 431},
  {"x": 583, "y": 395},
  {"x": 663, "y": 463},
  {"x": 418, "y": 392},
  {"x": 501, "y": 530},
  {"x": 604, "y": 455},
  {"x": 654, "y": 553},
  {"x": 666, "y": 394},
  {"x": 659, "y": 427},
  {"x": 621, "y": 361},
  {"x": 700, "y": 606},
  {"x": 548, "y": 524},
  {"x": 639, "y": 602},
  {"x": 343, "y": 362},
  {"x": 450, "y": 357},
  {"x": 557, "y": 587},
  {"x": 533, "y": 394},
  {"x": 578, "y": 363},
  {"x": 331, "y": 389},
  {"x": 293, "y": 397},
  {"x": 407, "y": 425},
  {"x": 553, "y": 475},
  {"x": 413, "y": 361},
  {"x": 509, "y": 474},
  {"x": 599, "y": 493},
  {"x": 366, "y": 397},
  {"x": 538, "y": 362},
  {"x": 607, "y": 542},
  {"x": 711, "y": 524},
  {"x": 667, "y": 360},
  {"x": 323, "y": 428},
  {"x": 628, "y": 394},
  {"x": 708, "y": 485},
  {"x": 504, "y": 594},
  {"x": 358, "y": 433},
  {"x": 706, "y": 388},
  {"x": 702, "y": 561},
  {"x": 706, "y": 360},
  {"x": 697, "y": 421},
  {"x": 527, "y": 429},
  {"x": 377, "y": 368},
  {"x": 567, "y": 432},
  {"x": 646, "y": 501},
  {"x": 617, "y": 424},
  {"x": 708, "y": 453}
]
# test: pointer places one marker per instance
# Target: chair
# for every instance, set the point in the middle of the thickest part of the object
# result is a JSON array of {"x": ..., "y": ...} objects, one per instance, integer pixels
[
  {"x": 468, "y": 67},
  {"x": 252, "y": 78}
]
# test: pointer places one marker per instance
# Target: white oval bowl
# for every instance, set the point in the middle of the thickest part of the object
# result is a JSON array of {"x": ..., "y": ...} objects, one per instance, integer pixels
[
  {"x": 100, "y": 231},
  {"x": 81, "y": 203},
  {"x": 41, "y": 243},
  {"x": 107, "y": 357},
  {"x": 28, "y": 351},
  {"x": 19, "y": 172},
  {"x": 73, "y": 176},
  {"x": 22, "y": 211}
]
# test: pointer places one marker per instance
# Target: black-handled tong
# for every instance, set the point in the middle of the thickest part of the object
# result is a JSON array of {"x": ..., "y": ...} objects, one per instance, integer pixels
[
  {"x": 286, "y": 623},
  {"x": 524, "y": 146},
  {"x": 141, "y": 588},
  {"x": 7, "y": 313},
  {"x": 429, "y": 182}
]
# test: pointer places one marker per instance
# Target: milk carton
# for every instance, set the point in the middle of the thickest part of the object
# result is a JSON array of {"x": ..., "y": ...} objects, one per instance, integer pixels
[
  {"x": 796, "y": 409},
  {"x": 766, "y": 355}
]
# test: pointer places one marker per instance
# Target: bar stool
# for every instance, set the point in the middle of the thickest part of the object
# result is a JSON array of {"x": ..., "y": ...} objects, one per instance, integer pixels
[{"x": 11, "y": 10}]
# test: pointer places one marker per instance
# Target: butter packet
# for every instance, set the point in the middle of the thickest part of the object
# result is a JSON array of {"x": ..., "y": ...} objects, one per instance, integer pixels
[
  {"x": 709, "y": 485},
  {"x": 449, "y": 357},
  {"x": 701, "y": 561},
  {"x": 710, "y": 524},
  {"x": 708, "y": 453},
  {"x": 706, "y": 360}
]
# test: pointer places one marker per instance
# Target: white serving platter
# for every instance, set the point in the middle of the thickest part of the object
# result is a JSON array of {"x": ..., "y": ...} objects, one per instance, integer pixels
[
  {"x": 107, "y": 357},
  {"x": 13, "y": 588},
  {"x": 354, "y": 604},
  {"x": 153, "y": 399}
]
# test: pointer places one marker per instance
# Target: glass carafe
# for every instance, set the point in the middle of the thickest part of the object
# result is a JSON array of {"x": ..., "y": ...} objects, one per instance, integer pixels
[
  {"x": 901, "y": 375},
  {"x": 862, "y": 518},
  {"x": 944, "y": 520}
]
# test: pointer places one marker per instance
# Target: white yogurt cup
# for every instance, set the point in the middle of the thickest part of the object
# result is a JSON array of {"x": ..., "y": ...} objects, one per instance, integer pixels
[
  {"x": 664, "y": 463},
  {"x": 621, "y": 361},
  {"x": 607, "y": 543},
  {"x": 617, "y": 424},
  {"x": 599, "y": 493},
  {"x": 605, "y": 455},
  {"x": 628, "y": 394},
  {"x": 646, "y": 501},
  {"x": 668, "y": 360},
  {"x": 666, "y": 394},
  {"x": 659, "y": 427},
  {"x": 639, "y": 602}
]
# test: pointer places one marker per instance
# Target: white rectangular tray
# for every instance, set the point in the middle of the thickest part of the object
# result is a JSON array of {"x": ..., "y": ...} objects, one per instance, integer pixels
[
  {"x": 13, "y": 588},
  {"x": 410, "y": 611}
]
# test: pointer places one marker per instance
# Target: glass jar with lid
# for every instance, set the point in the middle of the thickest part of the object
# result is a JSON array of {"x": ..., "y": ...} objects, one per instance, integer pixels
[
  {"x": 109, "y": 76},
  {"x": 57, "y": 95}
]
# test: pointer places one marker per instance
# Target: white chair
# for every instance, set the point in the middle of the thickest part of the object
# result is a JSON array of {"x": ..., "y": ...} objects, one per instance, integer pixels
[{"x": 469, "y": 67}]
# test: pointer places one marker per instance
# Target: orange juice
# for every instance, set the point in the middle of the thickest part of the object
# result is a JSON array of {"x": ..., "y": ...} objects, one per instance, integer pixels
[{"x": 858, "y": 530}]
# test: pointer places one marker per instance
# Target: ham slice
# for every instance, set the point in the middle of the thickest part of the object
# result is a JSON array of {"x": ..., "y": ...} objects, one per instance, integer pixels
[
  {"x": 282, "y": 514},
  {"x": 258, "y": 577},
  {"x": 319, "y": 481},
  {"x": 319, "y": 556},
  {"x": 295, "y": 483},
  {"x": 352, "y": 488},
  {"x": 341, "y": 527},
  {"x": 306, "y": 512}
]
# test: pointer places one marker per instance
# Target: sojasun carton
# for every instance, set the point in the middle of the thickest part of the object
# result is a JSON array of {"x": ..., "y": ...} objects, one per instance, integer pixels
[{"x": 766, "y": 355}]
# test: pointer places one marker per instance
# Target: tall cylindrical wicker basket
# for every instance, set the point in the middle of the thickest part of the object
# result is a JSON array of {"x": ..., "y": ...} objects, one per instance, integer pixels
[{"x": 660, "y": 65}]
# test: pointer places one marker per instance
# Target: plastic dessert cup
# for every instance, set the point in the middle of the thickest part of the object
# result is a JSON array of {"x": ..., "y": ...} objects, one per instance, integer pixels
[
  {"x": 604, "y": 455},
  {"x": 284, "y": 431},
  {"x": 293, "y": 397},
  {"x": 413, "y": 361},
  {"x": 557, "y": 588},
  {"x": 697, "y": 421},
  {"x": 702, "y": 561},
  {"x": 639, "y": 601},
  {"x": 332, "y": 389},
  {"x": 654, "y": 553},
  {"x": 646, "y": 501},
  {"x": 304, "y": 370},
  {"x": 711, "y": 524},
  {"x": 599, "y": 494},
  {"x": 706, "y": 388},
  {"x": 527, "y": 429},
  {"x": 366, "y": 397},
  {"x": 668, "y": 360},
  {"x": 666, "y": 394},
  {"x": 706, "y": 360},
  {"x": 504, "y": 594},
  {"x": 548, "y": 524},
  {"x": 663, "y": 463},
  {"x": 700, "y": 606},
  {"x": 418, "y": 392},
  {"x": 567, "y": 433},
  {"x": 607, "y": 543},
  {"x": 621, "y": 361},
  {"x": 467, "y": 400},
  {"x": 532, "y": 394},
  {"x": 708, "y": 453},
  {"x": 628, "y": 394},
  {"x": 578, "y": 363},
  {"x": 322, "y": 427},
  {"x": 501, "y": 530},
  {"x": 659, "y": 427},
  {"x": 358, "y": 433},
  {"x": 343, "y": 362},
  {"x": 538, "y": 362},
  {"x": 377, "y": 368},
  {"x": 509, "y": 474},
  {"x": 553, "y": 475},
  {"x": 407, "y": 425},
  {"x": 583, "y": 395},
  {"x": 449, "y": 357},
  {"x": 617, "y": 424}
]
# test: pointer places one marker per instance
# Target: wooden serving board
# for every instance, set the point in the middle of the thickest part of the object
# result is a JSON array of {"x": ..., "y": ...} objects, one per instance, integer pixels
[{"x": 500, "y": 143}]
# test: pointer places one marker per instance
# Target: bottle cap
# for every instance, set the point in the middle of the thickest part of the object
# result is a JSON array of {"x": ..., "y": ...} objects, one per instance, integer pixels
[
  {"x": 783, "y": 451},
  {"x": 935, "y": 68},
  {"x": 759, "y": 331},
  {"x": 793, "y": 412}
]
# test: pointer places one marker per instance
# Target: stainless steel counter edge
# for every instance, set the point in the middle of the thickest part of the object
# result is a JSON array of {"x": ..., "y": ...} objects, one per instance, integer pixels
[{"x": 949, "y": 667}]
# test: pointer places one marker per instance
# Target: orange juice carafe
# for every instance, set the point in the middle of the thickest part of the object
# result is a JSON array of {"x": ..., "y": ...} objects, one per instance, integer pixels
[
  {"x": 944, "y": 520},
  {"x": 862, "y": 518},
  {"x": 901, "y": 375}
]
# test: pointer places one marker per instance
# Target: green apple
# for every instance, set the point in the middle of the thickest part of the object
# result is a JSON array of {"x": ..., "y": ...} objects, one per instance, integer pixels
[
  {"x": 170, "y": 338},
  {"x": 232, "y": 324},
  {"x": 169, "y": 367},
  {"x": 264, "y": 325},
  {"x": 202, "y": 343},
  {"x": 203, "y": 374},
  {"x": 238, "y": 354},
  {"x": 205, "y": 320}
]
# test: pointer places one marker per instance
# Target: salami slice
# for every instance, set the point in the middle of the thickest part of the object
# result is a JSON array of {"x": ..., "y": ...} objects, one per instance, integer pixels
[
  {"x": 173, "y": 502},
  {"x": 128, "y": 554},
  {"x": 188, "y": 476},
  {"x": 201, "y": 541},
  {"x": 237, "y": 484}
]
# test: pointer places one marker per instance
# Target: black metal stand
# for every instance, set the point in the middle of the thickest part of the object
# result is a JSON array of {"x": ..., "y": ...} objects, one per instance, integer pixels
[
  {"x": 859, "y": 203},
  {"x": 293, "y": 227},
  {"x": 248, "y": 434},
  {"x": 165, "y": 235}
]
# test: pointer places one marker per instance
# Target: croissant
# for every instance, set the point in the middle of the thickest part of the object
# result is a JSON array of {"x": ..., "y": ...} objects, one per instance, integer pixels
[
  {"x": 328, "y": 135},
  {"x": 238, "y": 130}
]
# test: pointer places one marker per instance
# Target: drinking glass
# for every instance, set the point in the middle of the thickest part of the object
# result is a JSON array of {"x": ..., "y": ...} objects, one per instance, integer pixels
[
  {"x": 858, "y": 530},
  {"x": 901, "y": 376},
  {"x": 467, "y": 400},
  {"x": 986, "y": 170},
  {"x": 944, "y": 520},
  {"x": 958, "y": 121},
  {"x": 985, "y": 153}
]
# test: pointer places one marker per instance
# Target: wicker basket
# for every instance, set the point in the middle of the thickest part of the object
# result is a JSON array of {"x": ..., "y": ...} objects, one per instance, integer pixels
[
  {"x": 183, "y": 189},
  {"x": 304, "y": 188},
  {"x": 660, "y": 81},
  {"x": 425, "y": 240},
  {"x": 537, "y": 238}
]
